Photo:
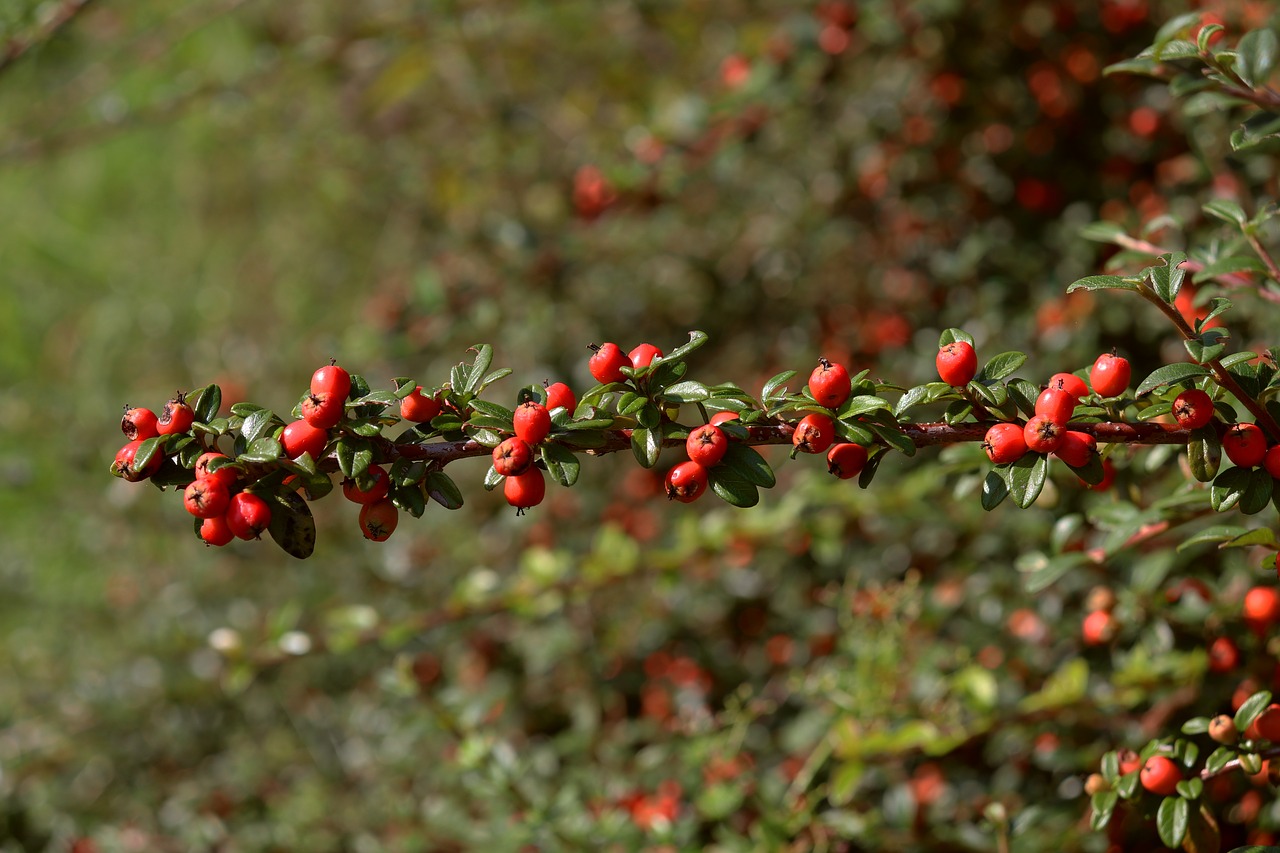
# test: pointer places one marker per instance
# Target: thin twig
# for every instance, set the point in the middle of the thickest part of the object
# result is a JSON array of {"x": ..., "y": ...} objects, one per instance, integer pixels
[{"x": 19, "y": 47}]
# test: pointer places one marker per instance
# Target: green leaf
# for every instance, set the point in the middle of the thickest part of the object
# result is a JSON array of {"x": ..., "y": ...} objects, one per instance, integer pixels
[
  {"x": 1168, "y": 375},
  {"x": 1192, "y": 788},
  {"x": 206, "y": 402},
  {"x": 894, "y": 438},
  {"x": 1178, "y": 49},
  {"x": 262, "y": 450},
  {"x": 1210, "y": 344},
  {"x": 1226, "y": 210},
  {"x": 1171, "y": 820},
  {"x": 1220, "y": 757},
  {"x": 256, "y": 424},
  {"x": 1196, "y": 726},
  {"x": 244, "y": 410},
  {"x": 1166, "y": 280},
  {"x": 1026, "y": 478},
  {"x": 1256, "y": 54},
  {"x": 1101, "y": 282},
  {"x": 994, "y": 490},
  {"x": 950, "y": 336},
  {"x": 292, "y": 526},
  {"x": 1229, "y": 488},
  {"x": 1259, "y": 134},
  {"x": 443, "y": 490},
  {"x": 731, "y": 488},
  {"x": 491, "y": 479},
  {"x": 493, "y": 410},
  {"x": 1257, "y": 493},
  {"x": 355, "y": 455},
  {"x": 1264, "y": 536},
  {"x": 1251, "y": 709},
  {"x": 475, "y": 374},
  {"x": 1146, "y": 67},
  {"x": 484, "y": 422},
  {"x": 1102, "y": 805},
  {"x": 913, "y": 397},
  {"x": 1204, "y": 453},
  {"x": 774, "y": 384},
  {"x": 1216, "y": 533},
  {"x": 854, "y": 431},
  {"x": 861, "y": 405},
  {"x": 687, "y": 391},
  {"x": 562, "y": 464},
  {"x": 1102, "y": 232},
  {"x": 1000, "y": 366},
  {"x": 1226, "y": 266},
  {"x": 749, "y": 465},
  {"x": 696, "y": 339},
  {"x": 1174, "y": 27},
  {"x": 645, "y": 445},
  {"x": 1024, "y": 394}
]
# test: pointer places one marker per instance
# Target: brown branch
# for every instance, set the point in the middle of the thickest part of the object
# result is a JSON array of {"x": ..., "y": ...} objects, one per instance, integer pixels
[{"x": 19, "y": 47}]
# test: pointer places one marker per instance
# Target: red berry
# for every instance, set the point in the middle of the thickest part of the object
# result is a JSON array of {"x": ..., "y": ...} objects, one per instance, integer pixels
[
  {"x": 378, "y": 519},
  {"x": 512, "y": 457},
  {"x": 419, "y": 407},
  {"x": 1160, "y": 775},
  {"x": 248, "y": 515},
  {"x": 707, "y": 445},
  {"x": 323, "y": 410},
  {"x": 1004, "y": 443},
  {"x": 1222, "y": 729},
  {"x": 331, "y": 379},
  {"x": 176, "y": 417},
  {"x": 206, "y": 498},
  {"x": 607, "y": 362},
  {"x": 1271, "y": 461},
  {"x": 829, "y": 383},
  {"x": 1057, "y": 404},
  {"x": 1267, "y": 724},
  {"x": 720, "y": 417},
  {"x": 957, "y": 363},
  {"x": 1261, "y": 606},
  {"x": 1042, "y": 434},
  {"x": 686, "y": 482},
  {"x": 560, "y": 396},
  {"x": 814, "y": 434},
  {"x": 1245, "y": 445},
  {"x": 525, "y": 490},
  {"x": 1193, "y": 409},
  {"x": 1070, "y": 383},
  {"x": 139, "y": 424},
  {"x": 1223, "y": 655},
  {"x": 381, "y": 486},
  {"x": 1109, "y": 375},
  {"x": 846, "y": 459},
  {"x": 216, "y": 531},
  {"x": 301, "y": 437},
  {"x": 532, "y": 422},
  {"x": 1129, "y": 761},
  {"x": 124, "y": 466},
  {"x": 224, "y": 472},
  {"x": 1076, "y": 448},
  {"x": 1099, "y": 627},
  {"x": 643, "y": 355}
]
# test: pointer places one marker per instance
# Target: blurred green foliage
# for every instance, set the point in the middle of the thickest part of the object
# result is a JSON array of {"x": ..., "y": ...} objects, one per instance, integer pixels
[{"x": 236, "y": 192}]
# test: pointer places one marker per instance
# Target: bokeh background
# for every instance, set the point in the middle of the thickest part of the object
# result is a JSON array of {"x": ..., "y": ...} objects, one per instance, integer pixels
[{"x": 235, "y": 192}]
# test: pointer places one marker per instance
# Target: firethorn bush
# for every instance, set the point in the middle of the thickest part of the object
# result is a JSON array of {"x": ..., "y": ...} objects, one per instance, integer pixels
[{"x": 974, "y": 430}]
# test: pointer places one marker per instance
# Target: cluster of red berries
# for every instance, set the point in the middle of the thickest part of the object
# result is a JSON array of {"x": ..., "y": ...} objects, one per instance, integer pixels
[
  {"x": 225, "y": 514},
  {"x": 140, "y": 424},
  {"x": 524, "y": 485},
  {"x": 830, "y": 386}
]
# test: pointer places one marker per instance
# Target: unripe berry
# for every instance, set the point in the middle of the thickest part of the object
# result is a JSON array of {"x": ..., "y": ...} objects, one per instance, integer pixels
[
  {"x": 1222, "y": 729},
  {"x": 1076, "y": 448},
  {"x": 206, "y": 498},
  {"x": 707, "y": 445},
  {"x": 378, "y": 519},
  {"x": 139, "y": 424},
  {"x": 419, "y": 407},
  {"x": 381, "y": 486},
  {"x": 846, "y": 459},
  {"x": 1160, "y": 775},
  {"x": 957, "y": 363},
  {"x": 1004, "y": 443},
  {"x": 686, "y": 482},
  {"x": 830, "y": 384},
  {"x": 513, "y": 456},
  {"x": 1109, "y": 375},
  {"x": 525, "y": 490},
  {"x": 1193, "y": 409},
  {"x": 176, "y": 417},
  {"x": 560, "y": 396},
  {"x": 331, "y": 379},
  {"x": 643, "y": 355},
  {"x": 323, "y": 410},
  {"x": 1099, "y": 627},
  {"x": 1057, "y": 404},
  {"x": 216, "y": 531},
  {"x": 1245, "y": 445},
  {"x": 1042, "y": 434},
  {"x": 1069, "y": 382},
  {"x": 248, "y": 515},
  {"x": 607, "y": 362},
  {"x": 301, "y": 437},
  {"x": 1096, "y": 783},
  {"x": 814, "y": 434},
  {"x": 532, "y": 422}
]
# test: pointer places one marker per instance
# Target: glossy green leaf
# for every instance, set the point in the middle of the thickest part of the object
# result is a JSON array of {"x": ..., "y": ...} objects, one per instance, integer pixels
[
  {"x": 1102, "y": 232},
  {"x": 994, "y": 490},
  {"x": 1026, "y": 478},
  {"x": 687, "y": 391},
  {"x": 1259, "y": 134},
  {"x": 292, "y": 526},
  {"x": 206, "y": 402},
  {"x": 1229, "y": 488},
  {"x": 443, "y": 490},
  {"x": 732, "y": 488},
  {"x": 1101, "y": 282},
  {"x": 474, "y": 374},
  {"x": 1168, "y": 375},
  {"x": 262, "y": 450},
  {"x": 1000, "y": 366},
  {"x": 1256, "y": 55},
  {"x": 1216, "y": 533},
  {"x": 749, "y": 465},
  {"x": 1166, "y": 280},
  {"x": 1251, "y": 708},
  {"x": 950, "y": 336},
  {"x": 1226, "y": 210},
  {"x": 493, "y": 410},
  {"x": 562, "y": 464},
  {"x": 1204, "y": 453},
  {"x": 257, "y": 424},
  {"x": 771, "y": 388},
  {"x": 696, "y": 340},
  {"x": 492, "y": 479},
  {"x": 1171, "y": 820},
  {"x": 355, "y": 455},
  {"x": 645, "y": 445}
]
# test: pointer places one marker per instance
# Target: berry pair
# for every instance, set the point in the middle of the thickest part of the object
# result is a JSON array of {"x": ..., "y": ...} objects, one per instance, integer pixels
[
  {"x": 608, "y": 359},
  {"x": 224, "y": 516},
  {"x": 524, "y": 486},
  {"x": 706, "y": 446}
]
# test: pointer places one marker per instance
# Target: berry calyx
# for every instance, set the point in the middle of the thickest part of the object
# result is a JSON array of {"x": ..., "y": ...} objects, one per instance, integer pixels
[
  {"x": 139, "y": 424},
  {"x": 216, "y": 531},
  {"x": 1193, "y": 409},
  {"x": 1057, "y": 404},
  {"x": 1160, "y": 775},
  {"x": 1004, "y": 443},
  {"x": 206, "y": 498},
  {"x": 378, "y": 519},
  {"x": 526, "y": 490},
  {"x": 248, "y": 515},
  {"x": 377, "y": 491},
  {"x": 512, "y": 457},
  {"x": 331, "y": 379},
  {"x": 643, "y": 355},
  {"x": 686, "y": 482},
  {"x": 1245, "y": 445},
  {"x": 1069, "y": 382},
  {"x": 418, "y": 407},
  {"x": 607, "y": 362},
  {"x": 323, "y": 410},
  {"x": 560, "y": 396},
  {"x": 1109, "y": 375},
  {"x": 846, "y": 459},
  {"x": 532, "y": 422},
  {"x": 1042, "y": 434},
  {"x": 176, "y": 417},
  {"x": 830, "y": 384},
  {"x": 1076, "y": 448},
  {"x": 957, "y": 363},
  {"x": 814, "y": 434},
  {"x": 707, "y": 445},
  {"x": 301, "y": 437}
]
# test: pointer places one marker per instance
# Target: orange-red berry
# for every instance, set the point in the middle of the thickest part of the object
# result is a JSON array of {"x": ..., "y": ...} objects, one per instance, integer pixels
[
  {"x": 532, "y": 422},
  {"x": 301, "y": 437},
  {"x": 1245, "y": 445},
  {"x": 707, "y": 445},
  {"x": 1109, "y": 375},
  {"x": 419, "y": 407},
  {"x": 560, "y": 396},
  {"x": 607, "y": 362},
  {"x": 1057, "y": 404},
  {"x": 525, "y": 490},
  {"x": 377, "y": 491},
  {"x": 248, "y": 515},
  {"x": 686, "y": 482},
  {"x": 1004, "y": 443},
  {"x": 331, "y": 379},
  {"x": 206, "y": 498},
  {"x": 139, "y": 424},
  {"x": 1069, "y": 382},
  {"x": 323, "y": 410},
  {"x": 1193, "y": 409},
  {"x": 1160, "y": 775},
  {"x": 814, "y": 434},
  {"x": 1076, "y": 448},
  {"x": 829, "y": 384},
  {"x": 378, "y": 519},
  {"x": 216, "y": 531},
  {"x": 957, "y": 363},
  {"x": 643, "y": 355},
  {"x": 513, "y": 456},
  {"x": 1043, "y": 434},
  {"x": 176, "y": 417},
  {"x": 846, "y": 459},
  {"x": 1099, "y": 627}
]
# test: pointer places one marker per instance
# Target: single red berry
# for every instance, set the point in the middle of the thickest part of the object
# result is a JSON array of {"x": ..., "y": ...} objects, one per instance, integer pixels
[
  {"x": 1098, "y": 628},
  {"x": 957, "y": 363},
  {"x": 1193, "y": 409},
  {"x": 1224, "y": 656},
  {"x": 814, "y": 434},
  {"x": 707, "y": 445},
  {"x": 1108, "y": 477},
  {"x": 1222, "y": 729},
  {"x": 560, "y": 396},
  {"x": 1076, "y": 448},
  {"x": 525, "y": 490},
  {"x": 1267, "y": 724},
  {"x": 1070, "y": 383},
  {"x": 1042, "y": 434},
  {"x": 378, "y": 519},
  {"x": 301, "y": 437},
  {"x": 1004, "y": 443},
  {"x": 607, "y": 362},
  {"x": 124, "y": 464},
  {"x": 1261, "y": 607},
  {"x": 643, "y": 355},
  {"x": 1271, "y": 461},
  {"x": 206, "y": 498},
  {"x": 323, "y": 410},
  {"x": 248, "y": 515},
  {"x": 1057, "y": 404},
  {"x": 720, "y": 417},
  {"x": 532, "y": 422},
  {"x": 1109, "y": 375},
  {"x": 381, "y": 486},
  {"x": 513, "y": 456},
  {"x": 1160, "y": 775},
  {"x": 225, "y": 473},
  {"x": 216, "y": 531},
  {"x": 331, "y": 379},
  {"x": 139, "y": 424},
  {"x": 686, "y": 482},
  {"x": 419, "y": 407},
  {"x": 830, "y": 384},
  {"x": 1129, "y": 761},
  {"x": 176, "y": 417},
  {"x": 846, "y": 459},
  {"x": 1245, "y": 445}
]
